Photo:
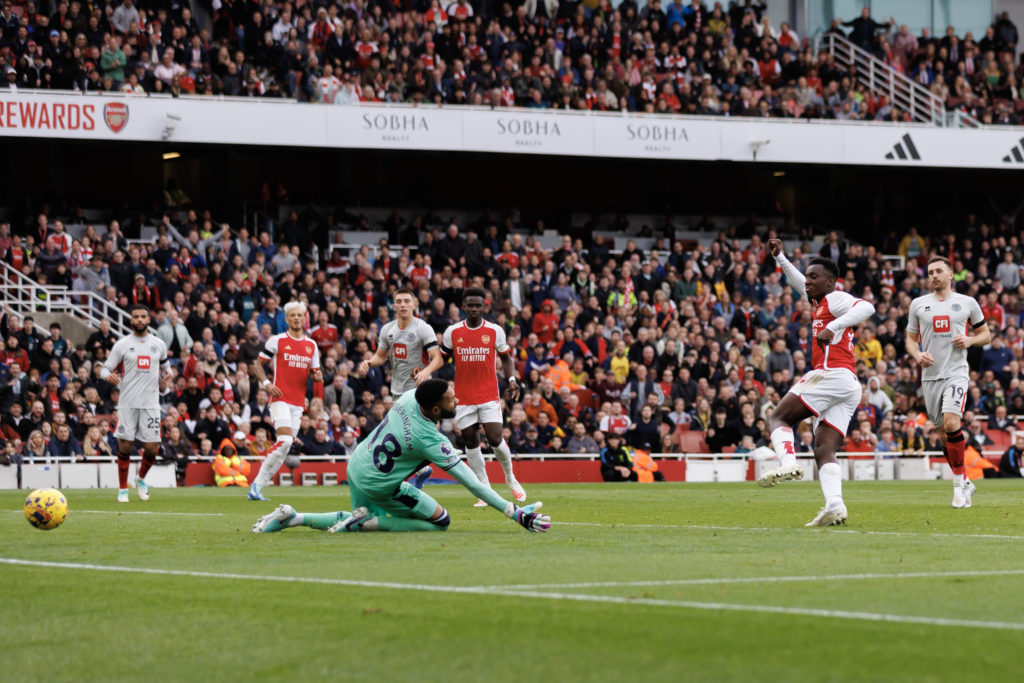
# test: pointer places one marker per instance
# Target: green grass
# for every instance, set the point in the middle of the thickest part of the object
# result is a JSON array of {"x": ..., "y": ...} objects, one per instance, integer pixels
[{"x": 77, "y": 623}]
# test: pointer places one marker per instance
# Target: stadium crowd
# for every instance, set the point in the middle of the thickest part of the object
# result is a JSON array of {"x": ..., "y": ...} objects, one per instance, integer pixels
[
  {"x": 649, "y": 345},
  {"x": 680, "y": 56}
]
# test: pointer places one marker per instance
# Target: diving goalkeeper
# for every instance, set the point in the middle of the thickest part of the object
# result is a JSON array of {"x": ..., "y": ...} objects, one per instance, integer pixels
[{"x": 382, "y": 500}]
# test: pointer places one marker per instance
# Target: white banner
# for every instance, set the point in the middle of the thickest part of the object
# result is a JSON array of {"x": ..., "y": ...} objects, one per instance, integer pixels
[
  {"x": 663, "y": 137},
  {"x": 392, "y": 128},
  {"x": 515, "y": 131},
  {"x": 526, "y": 131}
]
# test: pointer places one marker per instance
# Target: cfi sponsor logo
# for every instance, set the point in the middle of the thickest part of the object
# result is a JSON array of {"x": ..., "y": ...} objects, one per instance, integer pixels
[{"x": 115, "y": 115}]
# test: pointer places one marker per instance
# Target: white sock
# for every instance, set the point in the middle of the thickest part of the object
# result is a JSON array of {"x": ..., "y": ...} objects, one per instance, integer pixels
[
  {"x": 831, "y": 482},
  {"x": 274, "y": 460},
  {"x": 476, "y": 463},
  {"x": 297, "y": 520},
  {"x": 782, "y": 442},
  {"x": 958, "y": 480},
  {"x": 504, "y": 456}
]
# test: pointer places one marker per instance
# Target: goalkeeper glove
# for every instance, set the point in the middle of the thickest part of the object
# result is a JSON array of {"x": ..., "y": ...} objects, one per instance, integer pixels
[{"x": 531, "y": 520}]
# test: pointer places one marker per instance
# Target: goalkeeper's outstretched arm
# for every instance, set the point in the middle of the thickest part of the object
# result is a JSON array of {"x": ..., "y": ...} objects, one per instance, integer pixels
[{"x": 525, "y": 516}]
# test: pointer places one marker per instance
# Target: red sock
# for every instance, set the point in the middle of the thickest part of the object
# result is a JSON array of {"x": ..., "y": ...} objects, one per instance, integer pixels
[
  {"x": 955, "y": 447},
  {"x": 144, "y": 466},
  {"x": 123, "y": 463}
]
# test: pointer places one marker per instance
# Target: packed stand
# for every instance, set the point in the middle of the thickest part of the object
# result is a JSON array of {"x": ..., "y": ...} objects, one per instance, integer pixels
[
  {"x": 683, "y": 347},
  {"x": 683, "y": 56},
  {"x": 978, "y": 75}
]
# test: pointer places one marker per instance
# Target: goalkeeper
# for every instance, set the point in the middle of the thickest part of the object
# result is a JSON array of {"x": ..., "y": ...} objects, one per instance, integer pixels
[{"x": 382, "y": 500}]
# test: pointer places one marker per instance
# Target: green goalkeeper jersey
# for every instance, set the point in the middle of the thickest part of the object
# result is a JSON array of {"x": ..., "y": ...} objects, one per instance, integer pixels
[{"x": 400, "y": 445}]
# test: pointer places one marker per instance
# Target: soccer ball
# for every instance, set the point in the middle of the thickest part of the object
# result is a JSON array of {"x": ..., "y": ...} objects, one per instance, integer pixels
[{"x": 46, "y": 509}]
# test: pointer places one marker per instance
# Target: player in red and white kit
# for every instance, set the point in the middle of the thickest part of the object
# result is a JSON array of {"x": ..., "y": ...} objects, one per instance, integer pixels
[
  {"x": 475, "y": 345},
  {"x": 830, "y": 392},
  {"x": 295, "y": 359}
]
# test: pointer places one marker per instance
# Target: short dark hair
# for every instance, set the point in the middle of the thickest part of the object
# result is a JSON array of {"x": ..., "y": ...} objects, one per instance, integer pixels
[
  {"x": 403, "y": 290},
  {"x": 474, "y": 291},
  {"x": 826, "y": 263},
  {"x": 942, "y": 259},
  {"x": 140, "y": 307},
  {"x": 430, "y": 392}
]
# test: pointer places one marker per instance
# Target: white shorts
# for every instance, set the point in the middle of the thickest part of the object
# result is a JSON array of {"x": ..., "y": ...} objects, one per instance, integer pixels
[
  {"x": 142, "y": 424},
  {"x": 832, "y": 395},
  {"x": 285, "y": 415},
  {"x": 467, "y": 416},
  {"x": 941, "y": 396}
]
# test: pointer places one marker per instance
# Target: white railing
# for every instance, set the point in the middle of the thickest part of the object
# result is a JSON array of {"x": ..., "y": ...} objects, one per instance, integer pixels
[
  {"x": 25, "y": 296},
  {"x": 922, "y": 104},
  {"x": 543, "y": 457}
]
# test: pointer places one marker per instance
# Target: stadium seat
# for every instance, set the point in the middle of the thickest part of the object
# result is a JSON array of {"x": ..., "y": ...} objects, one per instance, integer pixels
[
  {"x": 1001, "y": 439},
  {"x": 588, "y": 399},
  {"x": 692, "y": 442}
]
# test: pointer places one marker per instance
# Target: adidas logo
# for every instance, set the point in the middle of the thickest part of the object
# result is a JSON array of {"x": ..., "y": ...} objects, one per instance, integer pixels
[
  {"x": 901, "y": 150},
  {"x": 1015, "y": 154}
]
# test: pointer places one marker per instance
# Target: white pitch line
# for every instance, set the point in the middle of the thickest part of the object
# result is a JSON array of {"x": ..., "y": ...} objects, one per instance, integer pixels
[
  {"x": 690, "y": 527},
  {"x": 471, "y": 590},
  {"x": 711, "y": 527},
  {"x": 759, "y": 579}
]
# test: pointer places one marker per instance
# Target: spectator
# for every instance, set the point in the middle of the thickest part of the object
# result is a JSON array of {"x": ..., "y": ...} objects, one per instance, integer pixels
[
  {"x": 580, "y": 441},
  {"x": 175, "y": 335},
  {"x": 1000, "y": 420},
  {"x": 616, "y": 465},
  {"x": 1008, "y": 272},
  {"x": 643, "y": 433},
  {"x": 1012, "y": 462},
  {"x": 877, "y": 397},
  {"x": 721, "y": 433},
  {"x": 865, "y": 29}
]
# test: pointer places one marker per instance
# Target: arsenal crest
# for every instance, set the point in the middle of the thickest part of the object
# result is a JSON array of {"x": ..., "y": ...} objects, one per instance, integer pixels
[
  {"x": 115, "y": 114},
  {"x": 485, "y": 338}
]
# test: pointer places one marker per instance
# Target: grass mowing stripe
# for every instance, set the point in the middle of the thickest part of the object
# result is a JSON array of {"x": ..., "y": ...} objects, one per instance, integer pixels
[
  {"x": 711, "y": 527},
  {"x": 652, "y": 602},
  {"x": 140, "y": 512},
  {"x": 760, "y": 579}
]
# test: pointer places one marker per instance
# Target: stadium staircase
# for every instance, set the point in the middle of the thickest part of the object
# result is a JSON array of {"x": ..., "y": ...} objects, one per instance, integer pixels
[
  {"x": 79, "y": 312},
  {"x": 910, "y": 96}
]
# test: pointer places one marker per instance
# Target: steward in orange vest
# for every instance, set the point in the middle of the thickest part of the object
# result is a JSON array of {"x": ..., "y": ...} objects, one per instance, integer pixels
[{"x": 228, "y": 468}]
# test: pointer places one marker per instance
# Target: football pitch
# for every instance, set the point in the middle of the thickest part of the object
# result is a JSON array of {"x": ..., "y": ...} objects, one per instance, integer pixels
[{"x": 633, "y": 582}]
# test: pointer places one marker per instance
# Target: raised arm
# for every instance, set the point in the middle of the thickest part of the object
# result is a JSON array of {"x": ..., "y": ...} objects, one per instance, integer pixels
[{"x": 794, "y": 277}]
